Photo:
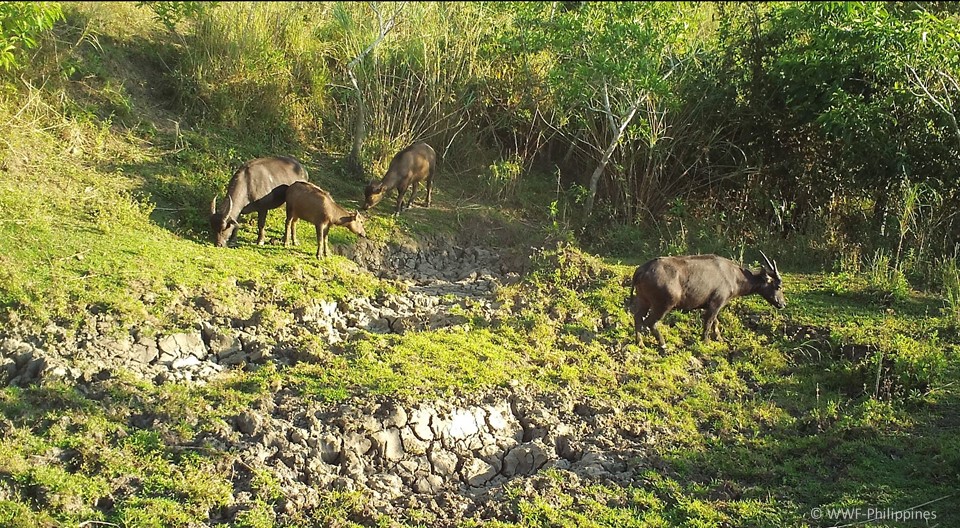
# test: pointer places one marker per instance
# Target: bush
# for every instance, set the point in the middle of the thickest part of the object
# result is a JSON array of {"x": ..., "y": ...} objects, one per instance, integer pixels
[
  {"x": 951, "y": 290},
  {"x": 21, "y": 23}
]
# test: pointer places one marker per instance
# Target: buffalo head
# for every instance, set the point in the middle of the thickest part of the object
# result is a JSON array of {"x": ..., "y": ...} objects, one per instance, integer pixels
[
  {"x": 772, "y": 289},
  {"x": 222, "y": 226},
  {"x": 372, "y": 193}
]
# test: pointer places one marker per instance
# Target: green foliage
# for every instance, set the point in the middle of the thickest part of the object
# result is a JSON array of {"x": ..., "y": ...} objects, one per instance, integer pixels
[
  {"x": 795, "y": 127},
  {"x": 831, "y": 78},
  {"x": 576, "y": 44},
  {"x": 951, "y": 287},
  {"x": 886, "y": 278},
  {"x": 21, "y": 24},
  {"x": 172, "y": 13},
  {"x": 502, "y": 177}
]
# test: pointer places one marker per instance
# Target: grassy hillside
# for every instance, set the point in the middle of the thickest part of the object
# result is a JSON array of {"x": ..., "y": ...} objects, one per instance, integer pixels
[{"x": 845, "y": 398}]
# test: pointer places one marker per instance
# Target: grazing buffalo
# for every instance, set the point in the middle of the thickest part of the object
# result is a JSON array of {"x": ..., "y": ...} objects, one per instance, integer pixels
[
  {"x": 409, "y": 167},
  {"x": 259, "y": 185},
  {"x": 315, "y": 205},
  {"x": 706, "y": 282}
]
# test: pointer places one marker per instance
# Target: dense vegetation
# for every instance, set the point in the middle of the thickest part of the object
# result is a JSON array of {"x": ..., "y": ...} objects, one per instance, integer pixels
[{"x": 824, "y": 133}]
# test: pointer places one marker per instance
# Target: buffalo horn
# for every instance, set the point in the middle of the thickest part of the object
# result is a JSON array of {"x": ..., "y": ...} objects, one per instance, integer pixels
[{"x": 772, "y": 266}]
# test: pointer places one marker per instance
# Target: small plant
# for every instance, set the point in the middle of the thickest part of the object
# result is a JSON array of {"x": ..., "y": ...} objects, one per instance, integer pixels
[
  {"x": 677, "y": 244},
  {"x": 887, "y": 279},
  {"x": 171, "y": 13},
  {"x": 951, "y": 290},
  {"x": 849, "y": 259},
  {"x": 502, "y": 177},
  {"x": 21, "y": 23}
]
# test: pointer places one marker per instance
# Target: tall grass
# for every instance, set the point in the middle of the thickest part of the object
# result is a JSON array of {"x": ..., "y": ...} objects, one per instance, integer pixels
[
  {"x": 279, "y": 71},
  {"x": 950, "y": 273},
  {"x": 258, "y": 68},
  {"x": 886, "y": 278}
]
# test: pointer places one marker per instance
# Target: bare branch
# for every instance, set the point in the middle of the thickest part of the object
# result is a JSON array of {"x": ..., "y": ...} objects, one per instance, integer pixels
[
  {"x": 595, "y": 177},
  {"x": 384, "y": 29},
  {"x": 933, "y": 99},
  {"x": 609, "y": 110}
]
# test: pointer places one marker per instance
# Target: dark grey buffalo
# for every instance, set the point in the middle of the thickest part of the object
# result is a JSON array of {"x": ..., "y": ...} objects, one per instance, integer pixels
[
  {"x": 697, "y": 282},
  {"x": 408, "y": 168},
  {"x": 259, "y": 185}
]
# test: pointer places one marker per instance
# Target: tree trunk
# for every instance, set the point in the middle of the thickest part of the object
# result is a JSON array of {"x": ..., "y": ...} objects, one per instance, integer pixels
[
  {"x": 595, "y": 177},
  {"x": 359, "y": 131},
  {"x": 360, "y": 125}
]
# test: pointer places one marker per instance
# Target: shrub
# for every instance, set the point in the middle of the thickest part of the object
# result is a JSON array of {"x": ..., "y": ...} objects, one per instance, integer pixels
[{"x": 21, "y": 23}]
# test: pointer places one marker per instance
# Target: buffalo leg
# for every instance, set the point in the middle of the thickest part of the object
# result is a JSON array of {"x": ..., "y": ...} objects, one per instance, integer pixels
[
  {"x": 261, "y": 225},
  {"x": 290, "y": 229},
  {"x": 429, "y": 187},
  {"x": 710, "y": 324},
  {"x": 653, "y": 318},
  {"x": 707, "y": 324},
  {"x": 413, "y": 192},
  {"x": 321, "y": 239},
  {"x": 639, "y": 308},
  {"x": 400, "y": 191},
  {"x": 326, "y": 231}
]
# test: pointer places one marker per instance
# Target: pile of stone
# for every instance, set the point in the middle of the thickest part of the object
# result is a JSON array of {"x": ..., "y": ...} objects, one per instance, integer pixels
[
  {"x": 448, "y": 457},
  {"x": 444, "y": 284}
]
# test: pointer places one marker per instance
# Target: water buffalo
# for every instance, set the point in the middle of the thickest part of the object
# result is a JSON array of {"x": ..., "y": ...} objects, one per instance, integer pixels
[
  {"x": 315, "y": 205},
  {"x": 259, "y": 185},
  {"x": 706, "y": 282},
  {"x": 409, "y": 167}
]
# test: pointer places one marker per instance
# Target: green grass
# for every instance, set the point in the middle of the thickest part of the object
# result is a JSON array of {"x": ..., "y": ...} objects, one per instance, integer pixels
[
  {"x": 846, "y": 397},
  {"x": 753, "y": 431}
]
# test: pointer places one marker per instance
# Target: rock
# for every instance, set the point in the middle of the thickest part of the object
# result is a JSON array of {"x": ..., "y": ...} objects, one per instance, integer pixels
[
  {"x": 420, "y": 422},
  {"x": 8, "y": 369},
  {"x": 118, "y": 347},
  {"x": 145, "y": 351},
  {"x": 444, "y": 462},
  {"x": 499, "y": 418},
  {"x": 462, "y": 424},
  {"x": 388, "y": 444},
  {"x": 182, "y": 344},
  {"x": 392, "y": 415},
  {"x": 32, "y": 369},
  {"x": 412, "y": 444},
  {"x": 428, "y": 484},
  {"x": 524, "y": 459},
  {"x": 223, "y": 345},
  {"x": 248, "y": 423},
  {"x": 184, "y": 362},
  {"x": 330, "y": 447},
  {"x": 389, "y": 485},
  {"x": 476, "y": 472},
  {"x": 381, "y": 325},
  {"x": 356, "y": 443},
  {"x": 256, "y": 350}
]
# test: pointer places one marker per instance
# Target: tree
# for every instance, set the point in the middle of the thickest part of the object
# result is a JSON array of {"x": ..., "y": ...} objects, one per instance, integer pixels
[
  {"x": 604, "y": 60},
  {"x": 21, "y": 23}
]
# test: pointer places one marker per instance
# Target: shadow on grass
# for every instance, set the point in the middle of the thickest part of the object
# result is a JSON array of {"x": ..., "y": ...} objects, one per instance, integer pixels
[{"x": 833, "y": 452}]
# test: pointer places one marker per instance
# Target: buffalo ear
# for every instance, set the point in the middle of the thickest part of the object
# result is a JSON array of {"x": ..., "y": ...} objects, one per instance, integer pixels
[
  {"x": 347, "y": 219},
  {"x": 231, "y": 221}
]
